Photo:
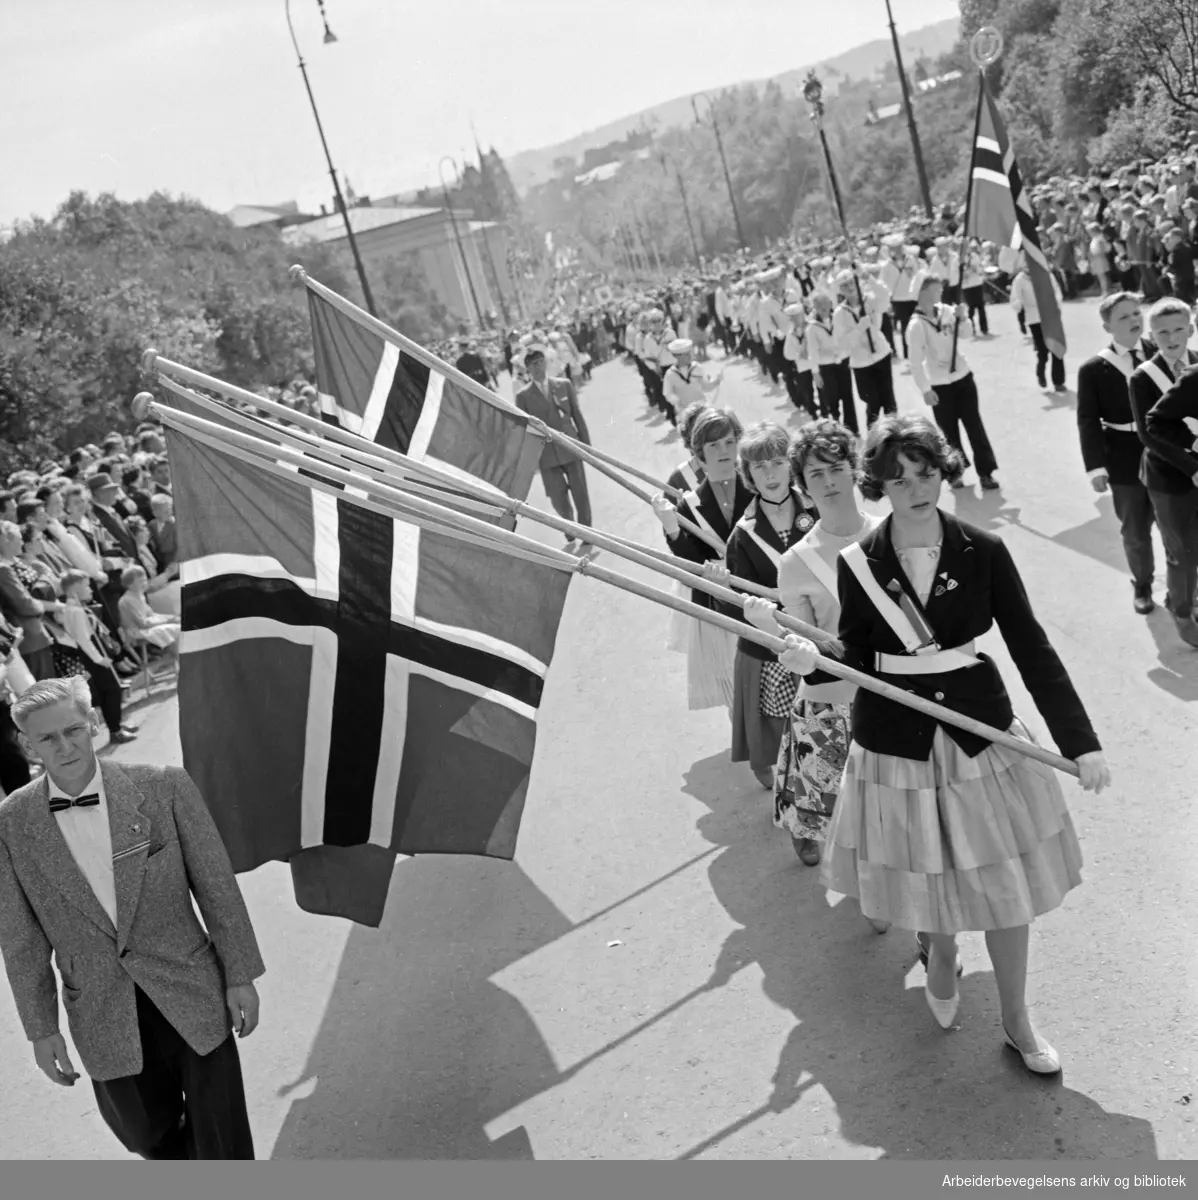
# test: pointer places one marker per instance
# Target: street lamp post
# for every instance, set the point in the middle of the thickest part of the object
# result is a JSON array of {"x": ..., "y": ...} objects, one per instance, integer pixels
[
  {"x": 686, "y": 208},
  {"x": 715, "y": 125},
  {"x": 813, "y": 93},
  {"x": 920, "y": 169},
  {"x": 329, "y": 39},
  {"x": 457, "y": 237}
]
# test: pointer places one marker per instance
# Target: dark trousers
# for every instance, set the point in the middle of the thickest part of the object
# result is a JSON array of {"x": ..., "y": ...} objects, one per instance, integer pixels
[
  {"x": 106, "y": 694},
  {"x": 1133, "y": 507},
  {"x": 1042, "y": 357},
  {"x": 562, "y": 483},
  {"x": 836, "y": 394},
  {"x": 800, "y": 387},
  {"x": 14, "y": 767},
  {"x": 975, "y": 297},
  {"x": 1177, "y": 515},
  {"x": 875, "y": 386},
  {"x": 776, "y": 360},
  {"x": 181, "y": 1104},
  {"x": 903, "y": 312},
  {"x": 957, "y": 405}
]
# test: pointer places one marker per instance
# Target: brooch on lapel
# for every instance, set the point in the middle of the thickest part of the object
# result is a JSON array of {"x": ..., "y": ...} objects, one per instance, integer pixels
[
  {"x": 894, "y": 586},
  {"x": 946, "y": 586}
]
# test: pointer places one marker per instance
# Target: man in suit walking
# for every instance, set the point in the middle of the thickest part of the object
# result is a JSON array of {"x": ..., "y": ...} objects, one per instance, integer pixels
[
  {"x": 99, "y": 865},
  {"x": 1111, "y": 448},
  {"x": 555, "y": 402}
]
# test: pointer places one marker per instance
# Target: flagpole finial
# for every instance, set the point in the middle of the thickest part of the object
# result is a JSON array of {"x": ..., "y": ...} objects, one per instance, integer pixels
[
  {"x": 297, "y": 274},
  {"x": 141, "y": 405},
  {"x": 148, "y": 359},
  {"x": 985, "y": 47}
]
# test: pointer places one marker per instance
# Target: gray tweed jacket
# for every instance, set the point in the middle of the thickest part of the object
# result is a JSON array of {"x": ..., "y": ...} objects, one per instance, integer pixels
[{"x": 165, "y": 850}]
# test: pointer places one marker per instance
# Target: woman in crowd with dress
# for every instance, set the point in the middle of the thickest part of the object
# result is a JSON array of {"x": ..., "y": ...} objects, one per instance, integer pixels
[
  {"x": 714, "y": 506},
  {"x": 774, "y": 520},
  {"x": 825, "y": 465},
  {"x": 935, "y": 829},
  {"x": 139, "y": 621}
]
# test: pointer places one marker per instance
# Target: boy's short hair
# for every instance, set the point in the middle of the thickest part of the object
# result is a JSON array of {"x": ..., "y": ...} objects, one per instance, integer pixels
[
  {"x": 1108, "y": 304},
  {"x": 1169, "y": 306},
  {"x": 72, "y": 579}
]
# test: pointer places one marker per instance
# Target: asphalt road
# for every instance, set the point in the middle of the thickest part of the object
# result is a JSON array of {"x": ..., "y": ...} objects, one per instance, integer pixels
[{"x": 656, "y": 975}]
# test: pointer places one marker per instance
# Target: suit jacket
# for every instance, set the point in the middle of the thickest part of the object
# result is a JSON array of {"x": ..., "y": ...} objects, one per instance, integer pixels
[
  {"x": 1103, "y": 399},
  {"x": 694, "y": 549},
  {"x": 746, "y": 559},
  {"x": 988, "y": 590},
  {"x": 19, "y": 607},
  {"x": 166, "y": 849},
  {"x": 1166, "y": 419},
  {"x": 561, "y": 412},
  {"x": 1165, "y": 467}
]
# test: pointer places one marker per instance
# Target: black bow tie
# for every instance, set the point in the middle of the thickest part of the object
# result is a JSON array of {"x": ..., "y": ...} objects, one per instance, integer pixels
[{"x": 61, "y": 803}]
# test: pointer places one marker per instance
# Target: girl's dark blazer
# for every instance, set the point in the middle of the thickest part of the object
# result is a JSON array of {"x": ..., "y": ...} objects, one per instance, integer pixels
[
  {"x": 988, "y": 590},
  {"x": 694, "y": 549},
  {"x": 746, "y": 560}
]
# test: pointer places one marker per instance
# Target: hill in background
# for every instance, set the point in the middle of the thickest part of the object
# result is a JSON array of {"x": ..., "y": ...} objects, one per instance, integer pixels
[{"x": 531, "y": 167}]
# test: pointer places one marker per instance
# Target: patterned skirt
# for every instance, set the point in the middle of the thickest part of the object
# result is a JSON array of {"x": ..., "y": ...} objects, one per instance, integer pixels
[
  {"x": 953, "y": 843},
  {"x": 810, "y": 765}
]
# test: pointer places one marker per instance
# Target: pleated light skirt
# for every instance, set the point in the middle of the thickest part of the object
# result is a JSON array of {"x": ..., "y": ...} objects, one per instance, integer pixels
[{"x": 954, "y": 843}]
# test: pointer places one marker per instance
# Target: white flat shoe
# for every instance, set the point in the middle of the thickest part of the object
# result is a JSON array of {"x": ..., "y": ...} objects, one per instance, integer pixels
[
  {"x": 1043, "y": 1061},
  {"x": 878, "y": 926},
  {"x": 945, "y": 1011}
]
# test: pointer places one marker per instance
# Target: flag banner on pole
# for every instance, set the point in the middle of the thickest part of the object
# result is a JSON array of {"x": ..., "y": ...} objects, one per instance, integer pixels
[
  {"x": 371, "y": 387},
  {"x": 351, "y": 687},
  {"x": 1002, "y": 213}
]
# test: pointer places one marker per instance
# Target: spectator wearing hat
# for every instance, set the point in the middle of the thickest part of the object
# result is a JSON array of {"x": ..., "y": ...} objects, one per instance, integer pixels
[
  {"x": 471, "y": 363},
  {"x": 684, "y": 384},
  {"x": 104, "y": 495},
  {"x": 555, "y": 402}
]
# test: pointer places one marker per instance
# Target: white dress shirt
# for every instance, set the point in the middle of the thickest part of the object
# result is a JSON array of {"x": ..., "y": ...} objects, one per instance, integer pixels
[
  {"x": 930, "y": 348},
  {"x": 860, "y": 338},
  {"x": 89, "y": 839}
]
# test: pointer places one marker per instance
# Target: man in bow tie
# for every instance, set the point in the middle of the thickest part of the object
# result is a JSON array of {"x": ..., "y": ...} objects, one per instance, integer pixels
[{"x": 99, "y": 866}]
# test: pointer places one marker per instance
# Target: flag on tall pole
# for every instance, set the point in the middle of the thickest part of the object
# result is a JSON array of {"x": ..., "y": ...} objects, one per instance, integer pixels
[
  {"x": 352, "y": 687},
  {"x": 1000, "y": 212}
]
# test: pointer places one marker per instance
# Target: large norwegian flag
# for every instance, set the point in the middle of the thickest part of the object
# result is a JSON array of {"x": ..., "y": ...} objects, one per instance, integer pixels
[
  {"x": 351, "y": 687},
  {"x": 1000, "y": 212},
  {"x": 370, "y": 386}
]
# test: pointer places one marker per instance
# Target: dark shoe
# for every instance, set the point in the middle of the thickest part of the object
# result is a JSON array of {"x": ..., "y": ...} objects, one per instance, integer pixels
[
  {"x": 1143, "y": 602},
  {"x": 989, "y": 483},
  {"x": 121, "y": 736},
  {"x": 958, "y": 485},
  {"x": 807, "y": 849},
  {"x": 1060, "y": 389},
  {"x": 1042, "y": 384},
  {"x": 1187, "y": 629}
]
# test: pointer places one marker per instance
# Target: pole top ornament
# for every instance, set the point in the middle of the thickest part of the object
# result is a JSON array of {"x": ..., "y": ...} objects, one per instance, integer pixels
[{"x": 985, "y": 47}]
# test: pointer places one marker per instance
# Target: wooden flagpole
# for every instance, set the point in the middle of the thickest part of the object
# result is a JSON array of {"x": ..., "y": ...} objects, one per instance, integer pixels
[
  {"x": 314, "y": 451},
  {"x": 153, "y": 361},
  {"x": 449, "y": 522}
]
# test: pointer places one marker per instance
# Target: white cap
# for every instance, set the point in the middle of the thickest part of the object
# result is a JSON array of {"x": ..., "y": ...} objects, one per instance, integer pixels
[{"x": 681, "y": 346}]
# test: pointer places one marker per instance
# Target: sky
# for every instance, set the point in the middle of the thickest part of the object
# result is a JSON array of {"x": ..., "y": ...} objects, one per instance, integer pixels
[{"x": 203, "y": 97}]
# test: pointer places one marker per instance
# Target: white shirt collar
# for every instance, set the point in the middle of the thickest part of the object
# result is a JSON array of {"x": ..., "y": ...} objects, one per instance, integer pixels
[{"x": 95, "y": 784}]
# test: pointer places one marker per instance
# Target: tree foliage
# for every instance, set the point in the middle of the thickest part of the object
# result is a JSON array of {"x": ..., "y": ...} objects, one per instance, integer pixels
[{"x": 85, "y": 293}]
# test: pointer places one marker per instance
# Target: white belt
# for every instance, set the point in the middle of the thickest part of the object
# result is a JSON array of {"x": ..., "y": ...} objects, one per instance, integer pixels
[
  {"x": 1119, "y": 428},
  {"x": 933, "y": 662}
]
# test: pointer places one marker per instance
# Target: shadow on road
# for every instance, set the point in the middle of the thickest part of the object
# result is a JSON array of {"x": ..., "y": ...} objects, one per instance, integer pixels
[
  {"x": 418, "y": 1049},
  {"x": 901, "y": 1086}
]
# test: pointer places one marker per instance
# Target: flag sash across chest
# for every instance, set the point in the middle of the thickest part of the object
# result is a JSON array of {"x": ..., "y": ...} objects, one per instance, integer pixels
[
  {"x": 374, "y": 388},
  {"x": 349, "y": 679}
]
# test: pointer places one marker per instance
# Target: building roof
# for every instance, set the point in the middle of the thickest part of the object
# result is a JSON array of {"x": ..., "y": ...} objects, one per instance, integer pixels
[
  {"x": 331, "y": 228},
  {"x": 246, "y": 215}
]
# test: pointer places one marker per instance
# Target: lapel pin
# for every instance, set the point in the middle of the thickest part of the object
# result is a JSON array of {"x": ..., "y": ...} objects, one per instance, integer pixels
[{"x": 137, "y": 829}]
